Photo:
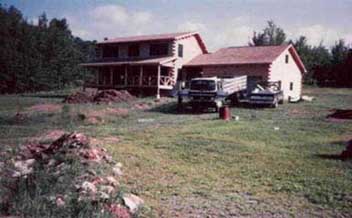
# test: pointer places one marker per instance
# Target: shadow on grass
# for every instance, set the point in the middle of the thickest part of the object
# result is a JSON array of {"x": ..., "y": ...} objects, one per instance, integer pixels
[
  {"x": 173, "y": 108},
  {"x": 331, "y": 157}
]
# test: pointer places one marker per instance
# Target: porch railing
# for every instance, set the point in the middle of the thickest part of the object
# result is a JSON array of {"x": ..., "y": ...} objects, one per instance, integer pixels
[{"x": 135, "y": 81}]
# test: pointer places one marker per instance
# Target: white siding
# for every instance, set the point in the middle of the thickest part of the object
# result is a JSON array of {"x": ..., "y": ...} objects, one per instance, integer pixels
[
  {"x": 287, "y": 73},
  {"x": 191, "y": 49}
]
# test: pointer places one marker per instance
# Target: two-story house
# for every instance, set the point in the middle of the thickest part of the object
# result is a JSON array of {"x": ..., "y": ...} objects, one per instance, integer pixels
[{"x": 148, "y": 63}]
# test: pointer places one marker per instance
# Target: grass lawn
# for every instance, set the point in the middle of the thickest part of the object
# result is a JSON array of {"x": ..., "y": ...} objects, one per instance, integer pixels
[{"x": 271, "y": 163}]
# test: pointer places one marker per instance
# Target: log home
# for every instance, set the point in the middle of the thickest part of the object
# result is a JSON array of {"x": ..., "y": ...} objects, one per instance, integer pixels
[{"x": 148, "y": 63}]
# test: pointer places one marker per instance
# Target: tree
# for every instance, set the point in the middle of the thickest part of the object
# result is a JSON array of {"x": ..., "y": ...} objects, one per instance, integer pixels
[
  {"x": 39, "y": 57},
  {"x": 339, "y": 52},
  {"x": 271, "y": 35}
]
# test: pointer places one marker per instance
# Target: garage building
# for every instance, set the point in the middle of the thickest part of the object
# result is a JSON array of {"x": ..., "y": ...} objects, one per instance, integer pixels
[{"x": 259, "y": 63}]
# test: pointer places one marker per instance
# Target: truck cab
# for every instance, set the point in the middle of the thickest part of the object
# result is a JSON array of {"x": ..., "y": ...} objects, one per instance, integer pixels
[{"x": 211, "y": 92}]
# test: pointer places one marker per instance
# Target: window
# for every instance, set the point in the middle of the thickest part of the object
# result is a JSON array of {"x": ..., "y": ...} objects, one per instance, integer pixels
[
  {"x": 180, "y": 50},
  {"x": 179, "y": 75},
  {"x": 159, "y": 49},
  {"x": 286, "y": 59},
  {"x": 111, "y": 51},
  {"x": 133, "y": 50},
  {"x": 291, "y": 86}
]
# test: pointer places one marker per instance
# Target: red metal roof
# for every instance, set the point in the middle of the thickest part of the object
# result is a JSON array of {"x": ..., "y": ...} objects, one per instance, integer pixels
[
  {"x": 156, "y": 37},
  {"x": 145, "y": 38},
  {"x": 245, "y": 55},
  {"x": 149, "y": 61}
]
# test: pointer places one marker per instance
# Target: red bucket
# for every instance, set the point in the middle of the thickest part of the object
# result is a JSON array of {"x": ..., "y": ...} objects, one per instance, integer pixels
[{"x": 225, "y": 113}]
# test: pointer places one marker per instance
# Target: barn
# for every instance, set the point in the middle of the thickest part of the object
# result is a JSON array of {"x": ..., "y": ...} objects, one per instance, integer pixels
[{"x": 259, "y": 63}]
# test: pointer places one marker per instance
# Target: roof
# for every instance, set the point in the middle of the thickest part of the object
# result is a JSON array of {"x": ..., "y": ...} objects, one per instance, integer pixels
[
  {"x": 245, "y": 55},
  {"x": 150, "y": 61},
  {"x": 157, "y": 37}
]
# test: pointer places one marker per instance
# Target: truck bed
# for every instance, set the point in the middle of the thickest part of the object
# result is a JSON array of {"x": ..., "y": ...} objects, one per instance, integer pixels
[{"x": 235, "y": 84}]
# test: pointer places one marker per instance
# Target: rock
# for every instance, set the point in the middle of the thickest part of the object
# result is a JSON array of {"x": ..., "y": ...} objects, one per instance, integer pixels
[
  {"x": 89, "y": 187},
  {"x": 51, "y": 162},
  {"x": 117, "y": 171},
  {"x": 112, "y": 181},
  {"x": 307, "y": 98},
  {"x": 118, "y": 211},
  {"x": 103, "y": 195},
  {"x": 60, "y": 201},
  {"x": 107, "y": 189},
  {"x": 133, "y": 202},
  {"x": 23, "y": 167},
  {"x": 97, "y": 180}
]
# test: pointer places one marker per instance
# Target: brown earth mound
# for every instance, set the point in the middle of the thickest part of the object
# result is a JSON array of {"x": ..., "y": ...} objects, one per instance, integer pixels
[
  {"x": 104, "y": 96},
  {"x": 111, "y": 95},
  {"x": 79, "y": 98},
  {"x": 340, "y": 114}
]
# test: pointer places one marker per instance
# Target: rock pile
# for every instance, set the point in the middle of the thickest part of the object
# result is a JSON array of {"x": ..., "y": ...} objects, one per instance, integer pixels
[
  {"x": 97, "y": 180},
  {"x": 103, "y": 96},
  {"x": 347, "y": 154}
]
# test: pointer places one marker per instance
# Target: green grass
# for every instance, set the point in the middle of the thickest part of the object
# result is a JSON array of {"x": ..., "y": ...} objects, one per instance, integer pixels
[{"x": 194, "y": 164}]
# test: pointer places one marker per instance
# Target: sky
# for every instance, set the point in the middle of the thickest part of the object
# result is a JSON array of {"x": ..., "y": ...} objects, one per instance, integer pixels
[{"x": 221, "y": 23}]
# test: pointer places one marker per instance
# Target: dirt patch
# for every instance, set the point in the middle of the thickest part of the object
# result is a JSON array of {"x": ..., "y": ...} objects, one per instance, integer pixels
[
  {"x": 141, "y": 106},
  {"x": 96, "y": 117},
  {"x": 47, "y": 108},
  {"x": 340, "y": 114}
]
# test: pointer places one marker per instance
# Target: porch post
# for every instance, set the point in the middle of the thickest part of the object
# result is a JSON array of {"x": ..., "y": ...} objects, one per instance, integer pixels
[
  {"x": 141, "y": 75},
  {"x": 125, "y": 75},
  {"x": 111, "y": 76},
  {"x": 158, "y": 84}
]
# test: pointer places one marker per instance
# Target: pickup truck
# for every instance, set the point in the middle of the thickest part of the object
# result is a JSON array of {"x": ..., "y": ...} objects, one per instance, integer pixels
[
  {"x": 271, "y": 95},
  {"x": 211, "y": 92}
]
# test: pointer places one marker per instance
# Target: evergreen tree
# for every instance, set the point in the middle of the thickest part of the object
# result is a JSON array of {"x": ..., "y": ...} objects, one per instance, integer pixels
[{"x": 271, "y": 35}]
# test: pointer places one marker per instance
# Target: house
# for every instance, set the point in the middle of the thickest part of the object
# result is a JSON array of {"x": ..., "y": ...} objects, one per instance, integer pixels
[
  {"x": 146, "y": 63},
  {"x": 268, "y": 63}
]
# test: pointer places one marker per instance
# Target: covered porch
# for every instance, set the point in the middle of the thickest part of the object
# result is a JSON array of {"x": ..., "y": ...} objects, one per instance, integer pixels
[{"x": 133, "y": 76}]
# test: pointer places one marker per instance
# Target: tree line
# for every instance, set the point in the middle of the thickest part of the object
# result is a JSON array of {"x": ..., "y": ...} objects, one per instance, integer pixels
[
  {"x": 39, "y": 57},
  {"x": 325, "y": 67},
  {"x": 46, "y": 56}
]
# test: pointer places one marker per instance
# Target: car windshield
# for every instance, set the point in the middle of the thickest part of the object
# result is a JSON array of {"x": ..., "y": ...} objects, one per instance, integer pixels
[{"x": 204, "y": 85}]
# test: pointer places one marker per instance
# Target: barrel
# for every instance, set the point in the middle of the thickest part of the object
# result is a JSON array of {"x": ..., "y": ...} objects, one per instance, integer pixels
[{"x": 225, "y": 113}]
